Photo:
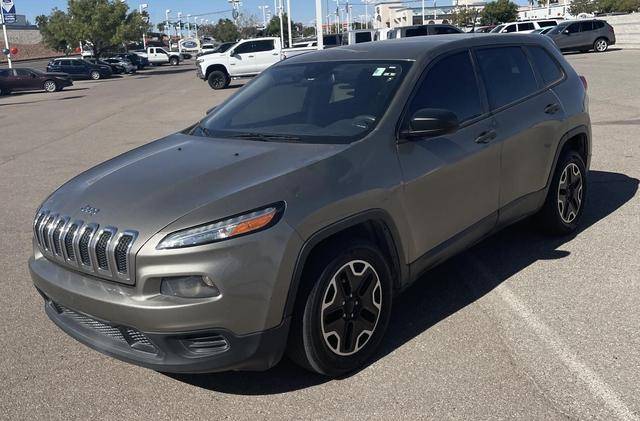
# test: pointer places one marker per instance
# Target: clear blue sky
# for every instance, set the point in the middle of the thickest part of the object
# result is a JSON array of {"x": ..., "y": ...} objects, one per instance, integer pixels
[{"x": 301, "y": 10}]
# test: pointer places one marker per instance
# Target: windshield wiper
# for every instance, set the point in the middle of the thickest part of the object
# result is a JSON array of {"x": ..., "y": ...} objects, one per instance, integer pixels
[{"x": 265, "y": 137}]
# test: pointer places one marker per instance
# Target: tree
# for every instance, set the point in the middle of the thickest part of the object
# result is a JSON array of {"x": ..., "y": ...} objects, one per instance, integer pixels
[
  {"x": 247, "y": 26},
  {"x": 104, "y": 24},
  {"x": 225, "y": 31},
  {"x": 464, "y": 17},
  {"x": 499, "y": 11},
  {"x": 582, "y": 6},
  {"x": 273, "y": 27}
]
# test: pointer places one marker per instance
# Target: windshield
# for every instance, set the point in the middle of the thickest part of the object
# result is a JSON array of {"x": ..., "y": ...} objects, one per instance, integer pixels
[
  {"x": 497, "y": 28},
  {"x": 558, "y": 29},
  {"x": 328, "y": 102}
]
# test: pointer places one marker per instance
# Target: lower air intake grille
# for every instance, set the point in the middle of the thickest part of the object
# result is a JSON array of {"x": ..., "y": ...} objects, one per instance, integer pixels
[{"x": 124, "y": 335}]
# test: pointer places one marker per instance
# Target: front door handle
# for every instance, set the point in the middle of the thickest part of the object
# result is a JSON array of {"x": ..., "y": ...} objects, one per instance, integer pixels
[
  {"x": 552, "y": 108},
  {"x": 251, "y": 56},
  {"x": 486, "y": 137}
]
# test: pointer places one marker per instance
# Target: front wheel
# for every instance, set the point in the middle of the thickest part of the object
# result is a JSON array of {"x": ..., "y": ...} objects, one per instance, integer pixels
[
  {"x": 600, "y": 45},
  {"x": 95, "y": 75},
  {"x": 343, "y": 309},
  {"x": 50, "y": 86},
  {"x": 174, "y": 61},
  {"x": 566, "y": 197},
  {"x": 218, "y": 79}
]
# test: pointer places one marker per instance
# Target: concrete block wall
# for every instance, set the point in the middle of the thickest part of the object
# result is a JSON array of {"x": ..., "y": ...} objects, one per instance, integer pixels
[{"x": 627, "y": 29}]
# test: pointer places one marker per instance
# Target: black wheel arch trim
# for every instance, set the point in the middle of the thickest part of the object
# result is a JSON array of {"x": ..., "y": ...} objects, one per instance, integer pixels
[
  {"x": 391, "y": 238},
  {"x": 579, "y": 130}
]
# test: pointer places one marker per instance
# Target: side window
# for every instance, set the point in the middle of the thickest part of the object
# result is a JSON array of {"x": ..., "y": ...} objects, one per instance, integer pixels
[
  {"x": 546, "y": 65},
  {"x": 23, "y": 72},
  {"x": 546, "y": 23},
  {"x": 416, "y": 32},
  {"x": 363, "y": 37},
  {"x": 528, "y": 26},
  {"x": 246, "y": 47},
  {"x": 4, "y": 73},
  {"x": 586, "y": 25},
  {"x": 265, "y": 45},
  {"x": 161, "y": 51},
  {"x": 77, "y": 63},
  {"x": 64, "y": 63},
  {"x": 574, "y": 28},
  {"x": 598, "y": 24},
  {"x": 507, "y": 74},
  {"x": 451, "y": 85},
  {"x": 510, "y": 28}
]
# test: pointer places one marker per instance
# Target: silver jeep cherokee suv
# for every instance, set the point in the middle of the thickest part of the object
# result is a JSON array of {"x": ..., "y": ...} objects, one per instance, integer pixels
[{"x": 289, "y": 217}]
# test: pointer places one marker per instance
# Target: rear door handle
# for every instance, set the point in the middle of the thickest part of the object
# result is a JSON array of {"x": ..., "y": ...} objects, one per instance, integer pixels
[
  {"x": 486, "y": 137},
  {"x": 552, "y": 109}
]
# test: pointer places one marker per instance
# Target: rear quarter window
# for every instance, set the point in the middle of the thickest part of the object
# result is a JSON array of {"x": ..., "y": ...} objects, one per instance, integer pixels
[
  {"x": 549, "y": 70},
  {"x": 526, "y": 26},
  {"x": 507, "y": 74}
]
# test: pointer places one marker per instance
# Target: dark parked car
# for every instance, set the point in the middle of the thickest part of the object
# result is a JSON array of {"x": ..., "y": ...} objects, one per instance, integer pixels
[
  {"x": 24, "y": 79},
  {"x": 332, "y": 40},
  {"x": 139, "y": 61},
  {"x": 421, "y": 30},
  {"x": 583, "y": 35},
  {"x": 79, "y": 68},
  {"x": 116, "y": 68},
  {"x": 268, "y": 229}
]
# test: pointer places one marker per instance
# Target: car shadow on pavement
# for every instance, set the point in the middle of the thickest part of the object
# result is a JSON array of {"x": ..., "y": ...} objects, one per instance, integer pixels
[
  {"x": 167, "y": 72},
  {"x": 444, "y": 290},
  {"x": 43, "y": 100}
]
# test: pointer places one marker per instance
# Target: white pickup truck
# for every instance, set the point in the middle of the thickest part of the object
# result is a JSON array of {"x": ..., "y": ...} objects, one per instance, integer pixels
[
  {"x": 247, "y": 58},
  {"x": 158, "y": 56}
]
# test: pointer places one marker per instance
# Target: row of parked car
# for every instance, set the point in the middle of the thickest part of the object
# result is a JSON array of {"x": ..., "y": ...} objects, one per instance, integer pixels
[{"x": 61, "y": 72}]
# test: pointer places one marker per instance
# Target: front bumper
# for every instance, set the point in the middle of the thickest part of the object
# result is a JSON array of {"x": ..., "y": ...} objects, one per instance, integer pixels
[
  {"x": 199, "y": 71},
  {"x": 183, "y": 352}
]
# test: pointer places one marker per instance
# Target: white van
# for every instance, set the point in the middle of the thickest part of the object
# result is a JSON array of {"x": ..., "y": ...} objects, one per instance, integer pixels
[
  {"x": 524, "y": 27},
  {"x": 357, "y": 36}
]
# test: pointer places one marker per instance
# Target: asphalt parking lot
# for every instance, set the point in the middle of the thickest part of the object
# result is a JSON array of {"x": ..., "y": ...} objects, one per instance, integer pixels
[{"x": 520, "y": 326}]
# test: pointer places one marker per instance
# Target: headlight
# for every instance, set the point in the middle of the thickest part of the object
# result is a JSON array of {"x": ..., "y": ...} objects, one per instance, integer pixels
[{"x": 235, "y": 226}]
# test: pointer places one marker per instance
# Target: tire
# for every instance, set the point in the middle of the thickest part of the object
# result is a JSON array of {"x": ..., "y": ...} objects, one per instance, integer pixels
[
  {"x": 601, "y": 45},
  {"x": 218, "y": 79},
  {"x": 50, "y": 86},
  {"x": 174, "y": 61},
  {"x": 564, "y": 206},
  {"x": 95, "y": 75},
  {"x": 342, "y": 310}
]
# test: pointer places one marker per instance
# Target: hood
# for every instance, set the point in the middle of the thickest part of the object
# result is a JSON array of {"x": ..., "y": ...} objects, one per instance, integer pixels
[{"x": 148, "y": 188}]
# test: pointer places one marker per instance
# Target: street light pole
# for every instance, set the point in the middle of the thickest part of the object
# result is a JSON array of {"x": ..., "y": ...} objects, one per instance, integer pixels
[
  {"x": 289, "y": 22},
  {"x": 319, "y": 34},
  {"x": 423, "y": 12},
  {"x": 166, "y": 26},
  {"x": 142, "y": 8},
  {"x": 281, "y": 23},
  {"x": 6, "y": 39}
]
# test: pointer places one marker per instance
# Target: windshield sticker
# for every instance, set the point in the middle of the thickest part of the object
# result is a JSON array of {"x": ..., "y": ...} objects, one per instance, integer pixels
[{"x": 379, "y": 71}]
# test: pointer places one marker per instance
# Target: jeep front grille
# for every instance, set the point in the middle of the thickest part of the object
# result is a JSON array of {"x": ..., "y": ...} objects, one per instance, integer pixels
[{"x": 100, "y": 251}]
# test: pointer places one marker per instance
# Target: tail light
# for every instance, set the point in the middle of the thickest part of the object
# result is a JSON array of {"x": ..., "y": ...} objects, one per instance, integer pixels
[{"x": 584, "y": 82}]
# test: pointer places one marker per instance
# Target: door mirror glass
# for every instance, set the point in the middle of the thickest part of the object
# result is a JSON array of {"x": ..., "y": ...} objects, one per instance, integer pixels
[
  {"x": 566, "y": 32},
  {"x": 430, "y": 122},
  {"x": 232, "y": 52}
]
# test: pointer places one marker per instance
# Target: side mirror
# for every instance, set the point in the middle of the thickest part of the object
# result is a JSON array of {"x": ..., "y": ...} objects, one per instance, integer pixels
[
  {"x": 566, "y": 32},
  {"x": 232, "y": 52},
  {"x": 431, "y": 122}
]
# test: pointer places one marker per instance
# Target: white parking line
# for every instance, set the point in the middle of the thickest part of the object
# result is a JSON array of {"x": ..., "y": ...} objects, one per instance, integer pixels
[{"x": 596, "y": 385}]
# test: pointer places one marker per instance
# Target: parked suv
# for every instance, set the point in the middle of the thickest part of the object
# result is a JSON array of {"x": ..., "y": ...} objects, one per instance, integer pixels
[
  {"x": 523, "y": 27},
  {"x": 269, "y": 229},
  {"x": 79, "y": 68},
  {"x": 583, "y": 35}
]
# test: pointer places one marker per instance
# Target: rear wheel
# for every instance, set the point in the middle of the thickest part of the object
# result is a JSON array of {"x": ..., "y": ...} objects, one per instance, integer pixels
[
  {"x": 94, "y": 75},
  {"x": 601, "y": 45},
  {"x": 4, "y": 91},
  {"x": 343, "y": 309},
  {"x": 566, "y": 197},
  {"x": 218, "y": 79},
  {"x": 50, "y": 86}
]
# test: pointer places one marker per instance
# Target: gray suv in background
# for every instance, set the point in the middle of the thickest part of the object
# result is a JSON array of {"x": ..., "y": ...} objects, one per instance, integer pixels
[
  {"x": 583, "y": 35},
  {"x": 288, "y": 218}
]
